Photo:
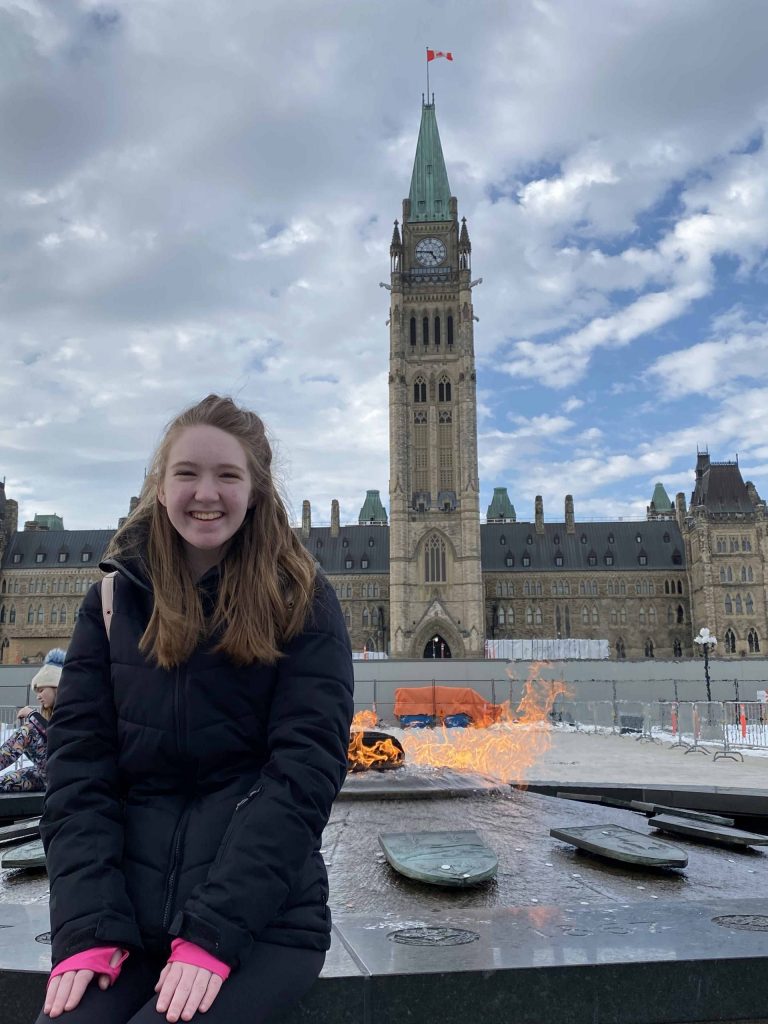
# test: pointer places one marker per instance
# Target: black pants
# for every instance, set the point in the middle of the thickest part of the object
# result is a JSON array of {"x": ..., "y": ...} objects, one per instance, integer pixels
[{"x": 273, "y": 979}]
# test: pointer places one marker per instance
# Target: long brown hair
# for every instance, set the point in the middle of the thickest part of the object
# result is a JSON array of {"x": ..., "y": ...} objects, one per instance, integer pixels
[{"x": 266, "y": 576}]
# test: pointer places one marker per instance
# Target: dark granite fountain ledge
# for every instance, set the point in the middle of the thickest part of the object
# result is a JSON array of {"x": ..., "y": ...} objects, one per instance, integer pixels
[
  {"x": 613, "y": 964},
  {"x": 729, "y": 800}
]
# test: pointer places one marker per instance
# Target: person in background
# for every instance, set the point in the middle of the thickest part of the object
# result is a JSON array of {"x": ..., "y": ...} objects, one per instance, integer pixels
[
  {"x": 196, "y": 750},
  {"x": 30, "y": 739}
]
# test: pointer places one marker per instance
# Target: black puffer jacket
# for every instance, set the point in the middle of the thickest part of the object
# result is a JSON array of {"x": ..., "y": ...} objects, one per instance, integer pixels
[{"x": 191, "y": 802}]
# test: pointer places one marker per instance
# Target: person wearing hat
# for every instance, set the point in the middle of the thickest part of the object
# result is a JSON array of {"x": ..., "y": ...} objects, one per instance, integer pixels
[{"x": 30, "y": 740}]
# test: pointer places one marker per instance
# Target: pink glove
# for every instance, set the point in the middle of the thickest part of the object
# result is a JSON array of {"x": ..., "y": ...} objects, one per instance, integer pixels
[
  {"x": 188, "y": 953},
  {"x": 95, "y": 959}
]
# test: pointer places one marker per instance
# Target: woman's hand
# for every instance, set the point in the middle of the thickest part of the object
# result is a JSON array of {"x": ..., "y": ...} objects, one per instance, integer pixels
[
  {"x": 65, "y": 991},
  {"x": 184, "y": 989},
  {"x": 24, "y": 713}
]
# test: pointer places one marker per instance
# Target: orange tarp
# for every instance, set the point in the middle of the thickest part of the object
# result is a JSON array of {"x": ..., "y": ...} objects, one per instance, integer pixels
[{"x": 442, "y": 701}]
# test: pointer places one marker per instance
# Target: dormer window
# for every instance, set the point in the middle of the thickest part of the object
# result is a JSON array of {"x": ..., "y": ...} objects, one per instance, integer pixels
[
  {"x": 583, "y": 538},
  {"x": 345, "y": 543},
  {"x": 608, "y": 558},
  {"x": 63, "y": 556},
  {"x": 509, "y": 561},
  {"x": 40, "y": 556},
  {"x": 319, "y": 544},
  {"x": 16, "y": 558},
  {"x": 371, "y": 542},
  {"x": 556, "y": 539},
  {"x": 559, "y": 559},
  {"x": 526, "y": 559},
  {"x": 642, "y": 558},
  {"x": 667, "y": 538},
  {"x": 611, "y": 539},
  {"x": 529, "y": 539},
  {"x": 638, "y": 538},
  {"x": 85, "y": 556},
  {"x": 592, "y": 558},
  {"x": 348, "y": 563},
  {"x": 363, "y": 563},
  {"x": 677, "y": 558},
  {"x": 502, "y": 539}
]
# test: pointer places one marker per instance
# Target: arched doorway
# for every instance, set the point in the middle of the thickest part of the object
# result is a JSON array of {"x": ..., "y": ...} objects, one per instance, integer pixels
[{"x": 436, "y": 647}]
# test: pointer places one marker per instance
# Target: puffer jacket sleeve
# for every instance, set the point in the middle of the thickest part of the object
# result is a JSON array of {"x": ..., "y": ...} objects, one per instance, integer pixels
[
  {"x": 82, "y": 826},
  {"x": 278, "y": 825}
]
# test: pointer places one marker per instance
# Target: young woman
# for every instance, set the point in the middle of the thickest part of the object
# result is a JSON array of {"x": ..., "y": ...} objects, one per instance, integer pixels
[
  {"x": 30, "y": 739},
  {"x": 196, "y": 751}
]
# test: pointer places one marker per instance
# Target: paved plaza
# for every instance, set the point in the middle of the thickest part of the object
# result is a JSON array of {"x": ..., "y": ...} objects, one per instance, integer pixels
[{"x": 577, "y": 757}]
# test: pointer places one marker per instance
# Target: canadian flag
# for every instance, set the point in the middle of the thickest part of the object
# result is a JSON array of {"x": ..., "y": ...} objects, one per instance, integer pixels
[{"x": 433, "y": 54}]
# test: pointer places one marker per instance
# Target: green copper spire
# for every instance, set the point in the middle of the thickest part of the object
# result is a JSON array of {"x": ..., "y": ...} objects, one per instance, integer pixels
[
  {"x": 372, "y": 513},
  {"x": 430, "y": 192},
  {"x": 660, "y": 499},
  {"x": 501, "y": 509}
]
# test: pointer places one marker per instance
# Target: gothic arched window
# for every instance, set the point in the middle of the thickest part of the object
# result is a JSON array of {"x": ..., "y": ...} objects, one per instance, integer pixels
[
  {"x": 54, "y": 615},
  {"x": 437, "y": 332},
  {"x": 584, "y": 615},
  {"x": 30, "y": 616},
  {"x": 595, "y": 616},
  {"x": 738, "y": 605},
  {"x": 753, "y": 641},
  {"x": 63, "y": 615},
  {"x": 444, "y": 389},
  {"x": 366, "y": 618},
  {"x": 413, "y": 330},
  {"x": 730, "y": 641},
  {"x": 450, "y": 330},
  {"x": 680, "y": 613},
  {"x": 749, "y": 604},
  {"x": 12, "y": 615},
  {"x": 434, "y": 560},
  {"x": 425, "y": 330},
  {"x": 419, "y": 390},
  {"x": 728, "y": 605},
  {"x": 40, "y": 615},
  {"x": 2, "y": 613}
]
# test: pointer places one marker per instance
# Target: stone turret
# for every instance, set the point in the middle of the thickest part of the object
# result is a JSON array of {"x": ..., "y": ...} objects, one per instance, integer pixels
[
  {"x": 539, "y": 514},
  {"x": 570, "y": 524},
  {"x": 306, "y": 519},
  {"x": 335, "y": 518}
]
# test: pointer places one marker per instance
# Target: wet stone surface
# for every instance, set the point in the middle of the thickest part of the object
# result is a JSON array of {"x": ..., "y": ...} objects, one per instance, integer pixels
[{"x": 533, "y": 867}]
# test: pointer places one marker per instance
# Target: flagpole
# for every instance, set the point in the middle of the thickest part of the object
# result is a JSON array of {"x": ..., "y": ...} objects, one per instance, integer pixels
[{"x": 427, "y": 49}]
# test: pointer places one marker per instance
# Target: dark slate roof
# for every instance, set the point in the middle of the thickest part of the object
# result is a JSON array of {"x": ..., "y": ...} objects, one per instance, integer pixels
[
  {"x": 721, "y": 488},
  {"x": 332, "y": 552},
  {"x": 28, "y": 543},
  {"x": 544, "y": 548}
]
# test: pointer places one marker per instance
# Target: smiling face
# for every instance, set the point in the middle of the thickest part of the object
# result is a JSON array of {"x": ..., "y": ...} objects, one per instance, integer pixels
[{"x": 206, "y": 491}]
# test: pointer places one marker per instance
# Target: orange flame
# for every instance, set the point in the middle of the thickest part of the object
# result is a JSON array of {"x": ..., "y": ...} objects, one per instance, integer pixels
[
  {"x": 381, "y": 753},
  {"x": 501, "y": 751},
  {"x": 364, "y": 720}
]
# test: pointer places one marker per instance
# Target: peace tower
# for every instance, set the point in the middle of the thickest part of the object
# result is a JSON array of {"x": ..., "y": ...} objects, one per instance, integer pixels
[{"x": 436, "y": 590}]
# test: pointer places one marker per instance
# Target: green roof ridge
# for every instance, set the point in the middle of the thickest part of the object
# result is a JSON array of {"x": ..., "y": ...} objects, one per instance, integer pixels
[{"x": 430, "y": 192}]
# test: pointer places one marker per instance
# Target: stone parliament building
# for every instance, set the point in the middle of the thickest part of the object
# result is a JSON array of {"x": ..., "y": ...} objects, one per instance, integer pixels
[{"x": 431, "y": 579}]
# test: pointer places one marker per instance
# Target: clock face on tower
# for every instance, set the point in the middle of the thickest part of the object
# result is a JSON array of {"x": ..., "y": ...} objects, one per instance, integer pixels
[{"x": 430, "y": 252}]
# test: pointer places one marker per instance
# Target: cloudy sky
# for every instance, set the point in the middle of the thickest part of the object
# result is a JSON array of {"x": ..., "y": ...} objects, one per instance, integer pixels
[{"x": 199, "y": 197}]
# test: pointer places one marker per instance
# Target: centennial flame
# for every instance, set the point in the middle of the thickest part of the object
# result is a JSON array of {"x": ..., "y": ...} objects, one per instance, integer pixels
[
  {"x": 502, "y": 751},
  {"x": 369, "y": 749}
]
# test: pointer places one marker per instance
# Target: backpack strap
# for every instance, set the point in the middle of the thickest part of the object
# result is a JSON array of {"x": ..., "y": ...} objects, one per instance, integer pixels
[{"x": 107, "y": 599}]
